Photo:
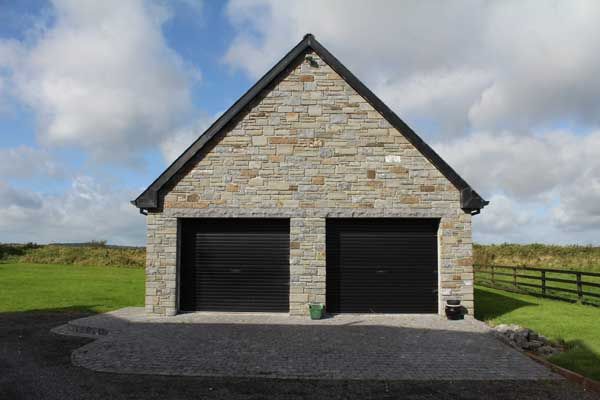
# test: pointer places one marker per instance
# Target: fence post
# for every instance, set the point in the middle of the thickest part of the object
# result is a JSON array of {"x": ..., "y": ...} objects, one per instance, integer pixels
[
  {"x": 544, "y": 283},
  {"x": 493, "y": 278},
  {"x": 579, "y": 286},
  {"x": 514, "y": 276}
]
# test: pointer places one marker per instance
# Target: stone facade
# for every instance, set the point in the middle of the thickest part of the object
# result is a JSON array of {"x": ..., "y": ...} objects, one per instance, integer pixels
[
  {"x": 310, "y": 148},
  {"x": 307, "y": 263}
]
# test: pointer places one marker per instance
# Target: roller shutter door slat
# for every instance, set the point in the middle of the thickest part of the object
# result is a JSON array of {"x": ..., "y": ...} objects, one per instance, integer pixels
[
  {"x": 382, "y": 265},
  {"x": 235, "y": 265}
]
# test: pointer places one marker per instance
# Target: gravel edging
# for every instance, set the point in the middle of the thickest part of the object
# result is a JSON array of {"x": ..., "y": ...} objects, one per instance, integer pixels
[
  {"x": 527, "y": 340},
  {"x": 69, "y": 329},
  {"x": 587, "y": 383},
  {"x": 521, "y": 339}
]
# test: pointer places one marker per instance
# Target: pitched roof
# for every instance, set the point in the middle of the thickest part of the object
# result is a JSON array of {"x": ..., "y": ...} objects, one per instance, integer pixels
[{"x": 470, "y": 199}]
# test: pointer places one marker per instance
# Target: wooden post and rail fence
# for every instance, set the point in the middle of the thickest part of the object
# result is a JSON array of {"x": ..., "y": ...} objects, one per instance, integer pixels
[{"x": 583, "y": 287}]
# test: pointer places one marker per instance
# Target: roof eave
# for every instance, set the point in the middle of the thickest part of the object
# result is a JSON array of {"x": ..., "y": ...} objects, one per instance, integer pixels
[
  {"x": 471, "y": 201},
  {"x": 147, "y": 200}
]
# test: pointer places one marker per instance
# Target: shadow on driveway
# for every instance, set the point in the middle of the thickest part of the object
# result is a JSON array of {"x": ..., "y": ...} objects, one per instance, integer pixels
[
  {"x": 357, "y": 347},
  {"x": 35, "y": 364}
]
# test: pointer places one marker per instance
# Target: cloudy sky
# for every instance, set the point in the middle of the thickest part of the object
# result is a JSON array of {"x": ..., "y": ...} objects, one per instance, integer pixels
[{"x": 96, "y": 99}]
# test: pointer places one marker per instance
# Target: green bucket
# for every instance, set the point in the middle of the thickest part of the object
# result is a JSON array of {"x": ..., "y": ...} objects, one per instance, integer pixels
[{"x": 316, "y": 311}]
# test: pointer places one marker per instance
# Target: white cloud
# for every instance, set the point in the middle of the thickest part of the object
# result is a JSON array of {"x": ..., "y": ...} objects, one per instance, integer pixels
[
  {"x": 102, "y": 78},
  {"x": 554, "y": 173},
  {"x": 509, "y": 64},
  {"x": 99, "y": 77},
  {"x": 86, "y": 211},
  {"x": 371, "y": 38},
  {"x": 10, "y": 197},
  {"x": 436, "y": 94},
  {"x": 3, "y": 105},
  {"x": 579, "y": 208},
  {"x": 510, "y": 221},
  {"x": 504, "y": 217},
  {"x": 182, "y": 138},
  {"x": 545, "y": 64},
  {"x": 26, "y": 162},
  {"x": 524, "y": 166}
]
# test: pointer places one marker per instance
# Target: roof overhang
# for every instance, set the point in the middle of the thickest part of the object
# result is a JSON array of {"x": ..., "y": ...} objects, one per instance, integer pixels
[{"x": 471, "y": 201}]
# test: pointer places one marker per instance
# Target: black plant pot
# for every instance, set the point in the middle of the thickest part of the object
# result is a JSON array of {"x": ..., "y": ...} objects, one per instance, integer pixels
[{"x": 454, "y": 311}]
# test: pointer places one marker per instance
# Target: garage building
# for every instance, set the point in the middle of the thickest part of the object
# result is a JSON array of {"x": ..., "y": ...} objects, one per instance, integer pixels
[{"x": 309, "y": 189}]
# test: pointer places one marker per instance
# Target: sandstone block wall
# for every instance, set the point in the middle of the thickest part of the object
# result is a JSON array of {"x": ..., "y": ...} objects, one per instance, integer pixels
[{"x": 310, "y": 149}]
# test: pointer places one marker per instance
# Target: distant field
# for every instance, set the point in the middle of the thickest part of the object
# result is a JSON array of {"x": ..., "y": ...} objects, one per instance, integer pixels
[
  {"x": 582, "y": 258},
  {"x": 93, "y": 254}
]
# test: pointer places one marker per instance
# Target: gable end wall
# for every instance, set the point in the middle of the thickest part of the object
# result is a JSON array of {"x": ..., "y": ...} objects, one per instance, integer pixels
[{"x": 311, "y": 149}]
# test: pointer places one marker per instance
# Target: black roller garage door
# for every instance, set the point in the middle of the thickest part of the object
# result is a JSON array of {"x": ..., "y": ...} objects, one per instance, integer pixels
[
  {"x": 382, "y": 265},
  {"x": 235, "y": 265}
]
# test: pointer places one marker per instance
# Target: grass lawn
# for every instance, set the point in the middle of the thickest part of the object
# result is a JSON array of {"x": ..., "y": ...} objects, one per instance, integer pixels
[
  {"x": 28, "y": 287},
  {"x": 577, "y": 325}
]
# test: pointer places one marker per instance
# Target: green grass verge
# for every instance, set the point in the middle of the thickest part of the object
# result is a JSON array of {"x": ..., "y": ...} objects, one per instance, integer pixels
[
  {"x": 577, "y": 325},
  {"x": 29, "y": 287}
]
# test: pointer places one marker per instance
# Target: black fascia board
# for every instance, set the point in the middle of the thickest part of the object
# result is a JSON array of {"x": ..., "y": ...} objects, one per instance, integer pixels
[{"x": 470, "y": 199}]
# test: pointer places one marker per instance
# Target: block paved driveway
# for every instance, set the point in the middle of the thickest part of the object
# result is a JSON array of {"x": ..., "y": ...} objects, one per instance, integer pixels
[
  {"x": 347, "y": 347},
  {"x": 36, "y": 364}
]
